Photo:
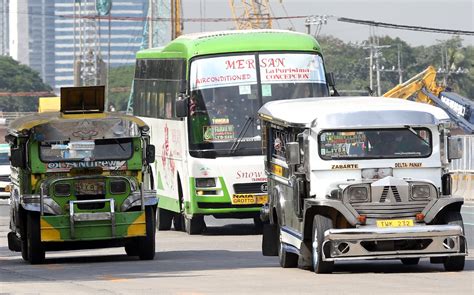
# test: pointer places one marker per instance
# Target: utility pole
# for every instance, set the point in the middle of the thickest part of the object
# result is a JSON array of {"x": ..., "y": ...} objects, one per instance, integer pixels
[
  {"x": 375, "y": 52},
  {"x": 399, "y": 61}
]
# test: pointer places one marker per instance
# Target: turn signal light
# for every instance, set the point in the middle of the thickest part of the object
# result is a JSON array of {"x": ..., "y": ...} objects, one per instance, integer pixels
[
  {"x": 419, "y": 216},
  {"x": 8, "y": 188},
  {"x": 362, "y": 219}
]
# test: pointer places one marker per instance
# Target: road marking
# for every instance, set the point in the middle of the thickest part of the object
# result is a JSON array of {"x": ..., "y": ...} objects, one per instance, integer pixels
[{"x": 111, "y": 278}]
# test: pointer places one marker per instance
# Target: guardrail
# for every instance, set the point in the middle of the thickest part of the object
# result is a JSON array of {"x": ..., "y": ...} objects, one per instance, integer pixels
[{"x": 463, "y": 170}]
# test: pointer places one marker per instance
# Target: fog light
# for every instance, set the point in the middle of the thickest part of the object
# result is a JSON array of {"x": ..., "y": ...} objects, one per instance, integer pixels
[
  {"x": 419, "y": 216},
  {"x": 362, "y": 219},
  {"x": 199, "y": 193}
]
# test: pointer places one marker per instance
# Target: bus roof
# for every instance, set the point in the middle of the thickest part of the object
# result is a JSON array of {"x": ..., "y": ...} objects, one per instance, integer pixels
[
  {"x": 36, "y": 119},
  {"x": 351, "y": 112},
  {"x": 187, "y": 46}
]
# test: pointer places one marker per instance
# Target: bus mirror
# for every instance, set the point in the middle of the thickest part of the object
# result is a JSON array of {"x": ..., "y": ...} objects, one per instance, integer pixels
[
  {"x": 150, "y": 153},
  {"x": 330, "y": 79},
  {"x": 17, "y": 158},
  {"x": 182, "y": 108},
  {"x": 293, "y": 153},
  {"x": 182, "y": 86},
  {"x": 454, "y": 148}
]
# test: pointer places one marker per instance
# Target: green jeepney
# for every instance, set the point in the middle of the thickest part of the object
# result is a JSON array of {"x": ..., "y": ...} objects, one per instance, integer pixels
[{"x": 81, "y": 179}]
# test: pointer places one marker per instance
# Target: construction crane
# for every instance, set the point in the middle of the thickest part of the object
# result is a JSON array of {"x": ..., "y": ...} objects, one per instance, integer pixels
[
  {"x": 251, "y": 14},
  {"x": 424, "y": 88}
]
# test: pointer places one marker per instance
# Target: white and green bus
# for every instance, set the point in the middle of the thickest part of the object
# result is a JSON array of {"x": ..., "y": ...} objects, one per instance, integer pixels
[{"x": 200, "y": 95}]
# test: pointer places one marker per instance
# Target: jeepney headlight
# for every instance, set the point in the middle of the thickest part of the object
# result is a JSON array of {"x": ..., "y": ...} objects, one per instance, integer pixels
[
  {"x": 62, "y": 189},
  {"x": 118, "y": 187},
  {"x": 205, "y": 182},
  {"x": 420, "y": 192},
  {"x": 358, "y": 194}
]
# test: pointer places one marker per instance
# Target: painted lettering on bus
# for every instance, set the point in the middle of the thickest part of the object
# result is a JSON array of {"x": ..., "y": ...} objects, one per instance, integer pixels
[
  {"x": 345, "y": 166},
  {"x": 240, "y": 64},
  {"x": 254, "y": 175},
  {"x": 272, "y": 62},
  {"x": 408, "y": 165}
]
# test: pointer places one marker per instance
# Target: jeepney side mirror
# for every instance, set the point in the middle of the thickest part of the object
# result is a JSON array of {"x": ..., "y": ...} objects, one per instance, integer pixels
[
  {"x": 17, "y": 157},
  {"x": 293, "y": 153},
  {"x": 182, "y": 106},
  {"x": 150, "y": 153},
  {"x": 332, "y": 83},
  {"x": 454, "y": 148}
]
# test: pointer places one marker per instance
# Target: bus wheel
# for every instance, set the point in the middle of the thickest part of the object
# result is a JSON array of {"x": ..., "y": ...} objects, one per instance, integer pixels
[
  {"x": 35, "y": 249},
  {"x": 270, "y": 240},
  {"x": 287, "y": 259},
  {"x": 164, "y": 219},
  {"x": 455, "y": 263},
  {"x": 320, "y": 225},
  {"x": 194, "y": 225},
  {"x": 178, "y": 222},
  {"x": 146, "y": 245},
  {"x": 258, "y": 223}
]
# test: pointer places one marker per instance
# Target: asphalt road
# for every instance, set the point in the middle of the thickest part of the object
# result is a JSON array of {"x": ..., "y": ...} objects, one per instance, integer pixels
[{"x": 224, "y": 260}]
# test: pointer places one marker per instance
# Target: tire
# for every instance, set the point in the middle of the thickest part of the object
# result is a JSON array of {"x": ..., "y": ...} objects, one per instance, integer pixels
[
  {"x": 131, "y": 248},
  {"x": 320, "y": 225},
  {"x": 454, "y": 263},
  {"x": 287, "y": 259},
  {"x": 146, "y": 245},
  {"x": 35, "y": 249},
  {"x": 195, "y": 225},
  {"x": 270, "y": 240},
  {"x": 24, "y": 249},
  {"x": 258, "y": 223},
  {"x": 410, "y": 261},
  {"x": 164, "y": 219},
  {"x": 178, "y": 222}
]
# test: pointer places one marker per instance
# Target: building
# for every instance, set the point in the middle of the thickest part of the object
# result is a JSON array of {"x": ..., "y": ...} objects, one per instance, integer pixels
[
  {"x": 4, "y": 27},
  {"x": 41, "y": 34}
]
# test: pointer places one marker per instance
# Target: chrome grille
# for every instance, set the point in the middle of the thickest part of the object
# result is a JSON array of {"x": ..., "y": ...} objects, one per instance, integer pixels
[
  {"x": 390, "y": 210},
  {"x": 5, "y": 178},
  {"x": 250, "y": 188}
]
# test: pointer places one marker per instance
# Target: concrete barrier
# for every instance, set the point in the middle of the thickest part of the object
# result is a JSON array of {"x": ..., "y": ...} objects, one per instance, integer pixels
[{"x": 463, "y": 185}]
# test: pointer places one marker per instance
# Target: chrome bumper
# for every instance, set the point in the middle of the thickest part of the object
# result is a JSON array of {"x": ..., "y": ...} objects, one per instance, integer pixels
[{"x": 368, "y": 242}]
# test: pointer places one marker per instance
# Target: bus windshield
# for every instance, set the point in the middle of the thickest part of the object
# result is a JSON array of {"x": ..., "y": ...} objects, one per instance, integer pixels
[
  {"x": 227, "y": 91},
  {"x": 375, "y": 144}
]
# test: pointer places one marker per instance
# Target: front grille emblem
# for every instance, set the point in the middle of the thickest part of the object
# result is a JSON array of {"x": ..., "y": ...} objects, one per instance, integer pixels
[{"x": 385, "y": 192}]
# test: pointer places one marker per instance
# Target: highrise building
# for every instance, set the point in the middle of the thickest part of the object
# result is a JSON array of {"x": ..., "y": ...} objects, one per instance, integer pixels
[{"x": 4, "y": 27}]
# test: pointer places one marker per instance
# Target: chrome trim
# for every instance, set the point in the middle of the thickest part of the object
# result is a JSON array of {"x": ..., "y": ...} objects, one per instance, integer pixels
[
  {"x": 355, "y": 236},
  {"x": 73, "y": 217},
  {"x": 32, "y": 203},
  {"x": 135, "y": 199}
]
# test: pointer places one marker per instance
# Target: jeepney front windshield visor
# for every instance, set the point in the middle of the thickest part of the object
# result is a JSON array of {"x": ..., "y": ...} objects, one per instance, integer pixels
[{"x": 375, "y": 144}]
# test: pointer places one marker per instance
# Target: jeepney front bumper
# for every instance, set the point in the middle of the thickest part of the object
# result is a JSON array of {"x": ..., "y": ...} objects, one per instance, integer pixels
[{"x": 371, "y": 242}]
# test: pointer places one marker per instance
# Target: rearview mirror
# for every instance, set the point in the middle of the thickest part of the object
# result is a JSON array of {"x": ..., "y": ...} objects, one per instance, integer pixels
[
  {"x": 17, "y": 158},
  {"x": 330, "y": 79},
  {"x": 455, "y": 147},
  {"x": 293, "y": 153},
  {"x": 150, "y": 153},
  {"x": 182, "y": 108}
]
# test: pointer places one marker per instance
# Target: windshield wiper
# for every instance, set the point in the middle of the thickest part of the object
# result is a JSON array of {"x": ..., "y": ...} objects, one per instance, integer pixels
[
  {"x": 416, "y": 134},
  {"x": 242, "y": 133},
  {"x": 120, "y": 145}
]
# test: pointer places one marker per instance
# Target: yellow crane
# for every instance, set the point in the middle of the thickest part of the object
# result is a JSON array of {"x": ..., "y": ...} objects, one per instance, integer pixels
[
  {"x": 251, "y": 14},
  {"x": 424, "y": 88}
]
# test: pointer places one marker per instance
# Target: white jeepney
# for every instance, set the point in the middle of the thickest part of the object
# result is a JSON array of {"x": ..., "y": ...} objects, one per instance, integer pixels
[{"x": 360, "y": 178}]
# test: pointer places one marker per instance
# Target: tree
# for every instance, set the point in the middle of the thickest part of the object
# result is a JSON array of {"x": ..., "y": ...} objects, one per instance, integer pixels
[
  {"x": 120, "y": 78},
  {"x": 15, "y": 77}
]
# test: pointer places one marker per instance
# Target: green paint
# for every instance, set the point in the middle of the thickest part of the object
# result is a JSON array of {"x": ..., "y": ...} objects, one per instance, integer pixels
[
  {"x": 93, "y": 230},
  {"x": 159, "y": 181},
  {"x": 168, "y": 203}
]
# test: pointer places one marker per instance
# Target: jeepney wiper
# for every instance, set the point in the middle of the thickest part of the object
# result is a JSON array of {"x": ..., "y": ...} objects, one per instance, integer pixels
[
  {"x": 416, "y": 134},
  {"x": 242, "y": 133}
]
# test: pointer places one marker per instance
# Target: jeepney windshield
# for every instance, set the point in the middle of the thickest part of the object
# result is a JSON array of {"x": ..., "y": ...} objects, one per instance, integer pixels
[
  {"x": 87, "y": 150},
  {"x": 375, "y": 144},
  {"x": 227, "y": 91}
]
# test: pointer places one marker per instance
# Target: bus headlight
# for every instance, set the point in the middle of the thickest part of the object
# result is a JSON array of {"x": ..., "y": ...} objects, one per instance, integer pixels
[
  {"x": 358, "y": 194},
  {"x": 420, "y": 192},
  {"x": 205, "y": 182}
]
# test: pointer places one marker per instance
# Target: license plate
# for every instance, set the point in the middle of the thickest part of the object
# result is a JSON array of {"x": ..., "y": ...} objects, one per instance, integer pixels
[
  {"x": 394, "y": 222},
  {"x": 248, "y": 199},
  {"x": 90, "y": 188}
]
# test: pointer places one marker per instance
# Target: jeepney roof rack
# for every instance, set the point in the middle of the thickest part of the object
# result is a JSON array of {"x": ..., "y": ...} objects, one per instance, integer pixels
[{"x": 84, "y": 99}]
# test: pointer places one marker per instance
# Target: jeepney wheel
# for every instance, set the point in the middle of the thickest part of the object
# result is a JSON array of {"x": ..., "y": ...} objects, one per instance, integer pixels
[
  {"x": 35, "y": 249},
  {"x": 24, "y": 244},
  {"x": 410, "y": 261},
  {"x": 320, "y": 225},
  {"x": 287, "y": 259},
  {"x": 164, "y": 219},
  {"x": 146, "y": 245},
  {"x": 455, "y": 263},
  {"x": 131, "y": 248},
  {"x": 194, "y": 225}
]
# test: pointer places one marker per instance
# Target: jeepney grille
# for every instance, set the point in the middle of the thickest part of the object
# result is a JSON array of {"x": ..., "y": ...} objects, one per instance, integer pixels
[
  {"x": 250, "y": 188},
  {"x": 5, "y": 178},
  {"x": 390, "y": 210}
]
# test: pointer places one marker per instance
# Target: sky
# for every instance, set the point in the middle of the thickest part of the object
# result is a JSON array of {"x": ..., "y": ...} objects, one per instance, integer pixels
[{"x": 444, "y": 14}]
